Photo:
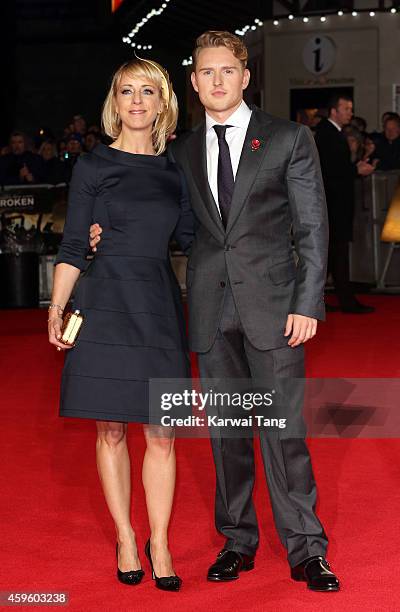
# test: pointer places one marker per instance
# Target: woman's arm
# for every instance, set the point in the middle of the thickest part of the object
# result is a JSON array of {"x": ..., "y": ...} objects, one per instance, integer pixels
[
  {"x": 71, "y": 257},
  {"x": 65, "y": 277},
  {"x": 185, "y": 229}
]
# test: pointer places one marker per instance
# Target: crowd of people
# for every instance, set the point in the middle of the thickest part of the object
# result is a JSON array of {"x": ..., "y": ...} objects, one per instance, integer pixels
[
  {"x": 380, "y": 148},
  {"x": 45, "y": 158}
]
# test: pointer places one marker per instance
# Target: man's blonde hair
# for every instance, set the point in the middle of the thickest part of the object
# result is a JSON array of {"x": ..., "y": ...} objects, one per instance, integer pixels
[
  {"x": 216, "y": 38},
  {"x": 165, "y": 122}
]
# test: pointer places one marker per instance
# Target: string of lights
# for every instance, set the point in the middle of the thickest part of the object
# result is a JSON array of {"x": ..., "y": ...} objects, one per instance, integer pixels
[
  {"x": 155, "y": 12},
  {"x": 324, "y": 18},
  {"x": 257, "y": 23}
]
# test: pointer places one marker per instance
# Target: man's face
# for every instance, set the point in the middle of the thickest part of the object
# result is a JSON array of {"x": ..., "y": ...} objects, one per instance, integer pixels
[
  {"x": 74, "y": 147},
  {"x": 343, "y": 113},
  {"x": 219, "y": 78},
  {"x": 17, "y": 145},
  {"x": 392, "y": 130},
  {"x": 79, "y": 125},
  {"x": 90, "y": 141}
]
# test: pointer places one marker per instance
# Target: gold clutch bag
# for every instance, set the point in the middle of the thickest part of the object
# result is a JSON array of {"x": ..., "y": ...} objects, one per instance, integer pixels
[{"x": 71, "y": 327}]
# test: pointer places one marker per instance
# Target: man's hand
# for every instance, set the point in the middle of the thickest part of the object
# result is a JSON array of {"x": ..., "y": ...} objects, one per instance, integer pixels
[
  {"x": 94, "y": 234},
  {"x": 365, "y": 169},
  {"x": 301, "y": 329},
  {"x": 25, "y": 174}
]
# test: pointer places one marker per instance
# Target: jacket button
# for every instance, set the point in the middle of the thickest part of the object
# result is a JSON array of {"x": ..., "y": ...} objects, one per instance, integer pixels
[
  {"x": 228, "y": 247},
  {"x": 222, "y": 284}
]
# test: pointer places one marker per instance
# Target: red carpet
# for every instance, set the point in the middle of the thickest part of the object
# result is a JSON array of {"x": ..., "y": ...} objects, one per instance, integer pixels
[{"x": 56, "y": 533}]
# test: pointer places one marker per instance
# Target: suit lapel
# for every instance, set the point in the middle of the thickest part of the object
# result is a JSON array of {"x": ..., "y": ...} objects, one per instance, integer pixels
[
  {"x": 260, "y": 129},
  {"x": 197, "y": 154}
]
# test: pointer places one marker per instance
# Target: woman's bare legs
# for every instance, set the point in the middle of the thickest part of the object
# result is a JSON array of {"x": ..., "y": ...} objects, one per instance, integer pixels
[
  {"x": 159, "y": 469},
  {"x": 114, "y": 468}
]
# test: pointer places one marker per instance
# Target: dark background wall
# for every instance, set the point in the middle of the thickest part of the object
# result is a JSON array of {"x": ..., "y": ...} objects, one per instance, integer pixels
[{"x": 58, "y": 57}]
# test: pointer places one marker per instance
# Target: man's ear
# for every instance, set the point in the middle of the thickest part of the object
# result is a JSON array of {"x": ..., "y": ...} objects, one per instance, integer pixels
[
  {"x": 194, "y": 81},
  {"x": 246, "y": 78}
]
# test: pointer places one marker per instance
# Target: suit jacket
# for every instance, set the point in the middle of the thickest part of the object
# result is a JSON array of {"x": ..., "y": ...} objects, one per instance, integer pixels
[
  {"x": 339, "y": 174},
  {"x": 278, "y": 188}
]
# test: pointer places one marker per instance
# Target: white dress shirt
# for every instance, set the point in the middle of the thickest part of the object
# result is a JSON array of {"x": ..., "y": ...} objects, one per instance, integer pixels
[{"x": 234, "y": 136}]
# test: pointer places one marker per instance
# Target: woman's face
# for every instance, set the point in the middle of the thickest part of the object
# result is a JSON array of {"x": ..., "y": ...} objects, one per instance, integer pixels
[
  {"x": 138, "y": 102},
  {"x": 369, "y": 146},
  {"x": 353, "y": 144}
]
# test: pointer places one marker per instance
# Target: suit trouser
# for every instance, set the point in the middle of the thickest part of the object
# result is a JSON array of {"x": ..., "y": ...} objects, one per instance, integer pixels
[
  {"x": 287, "y": 462},
  {"x": 339, "y": 267}
]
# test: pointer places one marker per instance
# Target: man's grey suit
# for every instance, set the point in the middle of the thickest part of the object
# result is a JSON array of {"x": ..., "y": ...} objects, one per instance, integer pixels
[{"x": 242, "y": 282}]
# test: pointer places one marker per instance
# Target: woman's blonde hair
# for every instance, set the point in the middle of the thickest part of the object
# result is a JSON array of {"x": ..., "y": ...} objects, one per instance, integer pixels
[{"x": 165, "y": 122}]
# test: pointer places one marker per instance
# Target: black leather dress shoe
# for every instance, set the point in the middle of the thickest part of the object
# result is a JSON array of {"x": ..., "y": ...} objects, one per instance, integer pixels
[
  {"x": 228, "y": 565},
  {"x": 358, "y": 308},
  {"x": 317, "y": 573},
  {"x": 330, "y": 308}
]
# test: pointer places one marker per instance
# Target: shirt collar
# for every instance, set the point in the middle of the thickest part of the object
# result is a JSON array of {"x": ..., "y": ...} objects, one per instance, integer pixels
[
  {"x": 335, "y": 124},
  {"x": 240, "y": 118}
]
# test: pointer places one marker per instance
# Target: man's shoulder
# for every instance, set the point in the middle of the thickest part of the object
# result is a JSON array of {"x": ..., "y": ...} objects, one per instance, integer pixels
[
  {"x": 278, "y": 123},
  {"x": 328, "y": 133},
  {"x": 326, "y": 127}
]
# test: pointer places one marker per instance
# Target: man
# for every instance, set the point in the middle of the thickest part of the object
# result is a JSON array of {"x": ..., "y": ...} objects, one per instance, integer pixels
[
  {"x": 251, "y": 177},
  {"x": 92, "y": 139},
  {"x": 72, "y": 152},
  {"x": 388, "y": 145},
  {"x": 79, "y": 124},
  {"x": 20, "y": 166},
  {"x": 339, "y": 174}
]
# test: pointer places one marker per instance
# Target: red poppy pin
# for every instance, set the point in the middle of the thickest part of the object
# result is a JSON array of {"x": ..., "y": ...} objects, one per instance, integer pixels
[{"x": 255, "y": 144}]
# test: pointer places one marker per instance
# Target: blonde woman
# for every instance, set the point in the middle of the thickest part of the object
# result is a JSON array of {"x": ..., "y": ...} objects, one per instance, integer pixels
[{"x": 133, "y": 326}]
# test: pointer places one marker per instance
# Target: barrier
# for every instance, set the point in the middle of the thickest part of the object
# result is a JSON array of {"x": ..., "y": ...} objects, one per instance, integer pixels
[
  {"x": 32, "y": 221},
  {"x": 374, "y": 259}
]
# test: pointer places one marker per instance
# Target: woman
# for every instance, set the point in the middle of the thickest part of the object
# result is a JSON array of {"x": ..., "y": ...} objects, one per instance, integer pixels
[
  {"x": 54, "y": 172},
  {"x": 133, "y": 325},
  {"x": 355, "y": 141}
]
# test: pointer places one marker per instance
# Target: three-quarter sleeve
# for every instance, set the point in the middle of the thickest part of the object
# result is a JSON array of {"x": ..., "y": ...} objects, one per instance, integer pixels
[
  {"x": 81, "y": 198},
  {"x": 185, "y": 228}
]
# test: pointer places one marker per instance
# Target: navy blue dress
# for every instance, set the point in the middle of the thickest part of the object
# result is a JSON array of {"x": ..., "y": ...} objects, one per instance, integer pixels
[{"x": 133, "y": 326}]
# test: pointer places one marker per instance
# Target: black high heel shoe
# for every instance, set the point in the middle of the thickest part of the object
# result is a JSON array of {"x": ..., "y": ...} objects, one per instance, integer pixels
[
  {"x": 166, "y": 583},
  {"x": 132, "y": 577}
]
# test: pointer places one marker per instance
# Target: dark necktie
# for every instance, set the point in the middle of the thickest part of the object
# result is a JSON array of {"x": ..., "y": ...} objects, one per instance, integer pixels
[{"x": 226, "y": 181}]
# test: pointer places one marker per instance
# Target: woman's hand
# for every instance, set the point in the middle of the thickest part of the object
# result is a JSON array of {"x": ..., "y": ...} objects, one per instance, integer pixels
[
  {"x": 54, "y": 328},
  {"x": 94, "y": 236}
]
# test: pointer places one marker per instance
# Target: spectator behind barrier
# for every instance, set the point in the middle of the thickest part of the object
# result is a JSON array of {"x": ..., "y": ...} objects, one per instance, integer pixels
[
  {"x": 355, "y": 141},
  {"x": 388, "y": 145},
  {"x": 20, "y": 166},
  {"x": 359, "y": 124},
  {"x": 73, "y": 150},
  {"x": 370, "y": 151},
  {"x": 54, "y": 169},
  {"x": 362, "y": 147},
  {"x": 92, "y": 139},
  {"x": 79, "y": 125}
]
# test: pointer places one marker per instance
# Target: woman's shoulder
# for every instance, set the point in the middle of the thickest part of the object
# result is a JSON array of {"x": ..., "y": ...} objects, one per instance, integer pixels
[
  {"x": 87, "y": 161},
  {"x": 84, "y": 171}
]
